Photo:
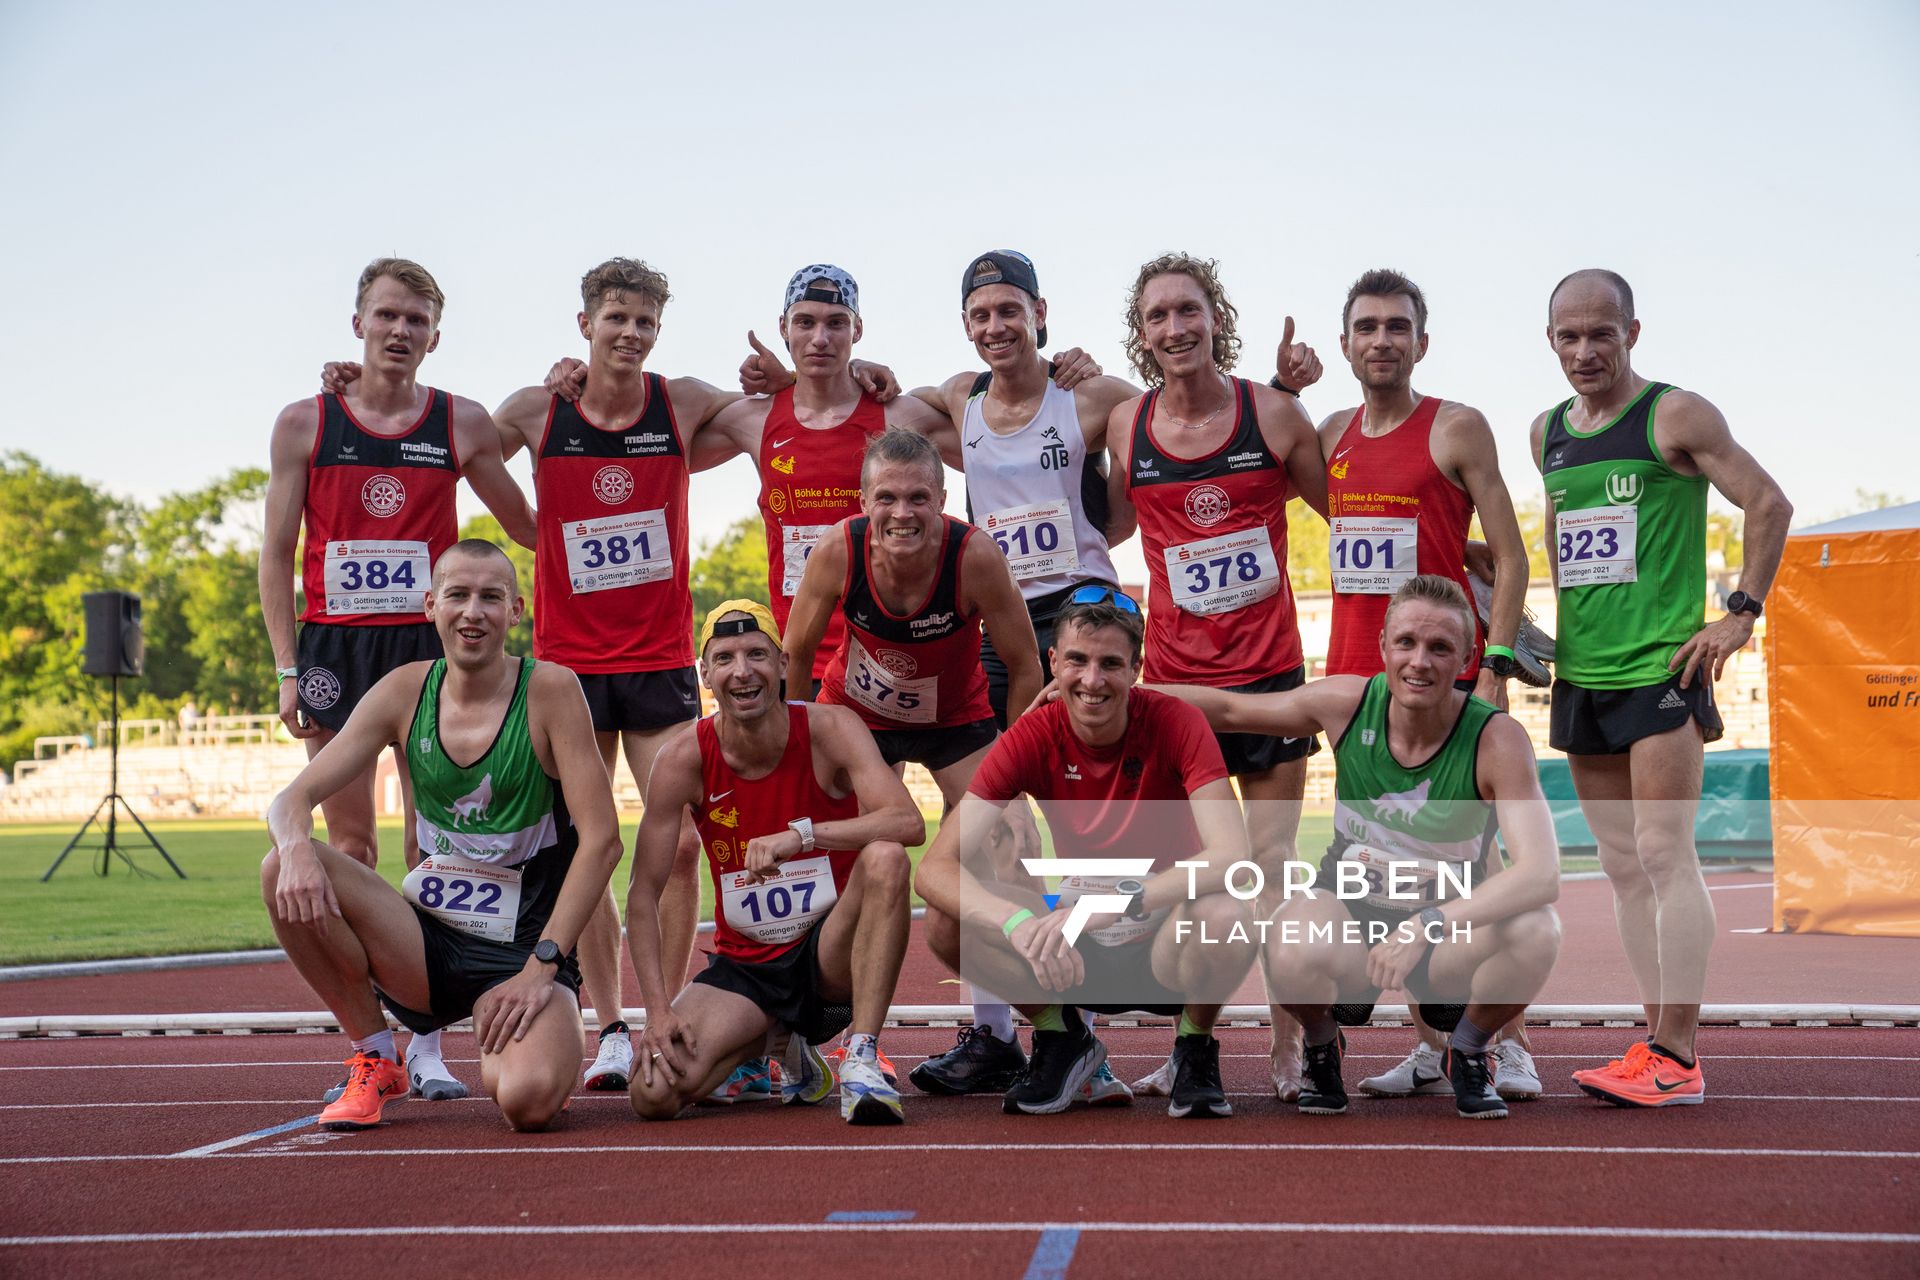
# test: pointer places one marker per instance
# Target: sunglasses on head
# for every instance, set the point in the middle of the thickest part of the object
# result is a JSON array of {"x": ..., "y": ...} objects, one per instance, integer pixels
[{"x": 1100, "y": 593}]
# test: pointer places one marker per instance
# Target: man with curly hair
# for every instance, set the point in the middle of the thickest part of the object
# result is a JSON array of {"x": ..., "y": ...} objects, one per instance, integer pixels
[{"x": 1206, "y": 462}]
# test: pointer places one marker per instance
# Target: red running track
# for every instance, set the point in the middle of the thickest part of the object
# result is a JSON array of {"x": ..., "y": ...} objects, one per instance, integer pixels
[{"x": 137, "y": 1155}]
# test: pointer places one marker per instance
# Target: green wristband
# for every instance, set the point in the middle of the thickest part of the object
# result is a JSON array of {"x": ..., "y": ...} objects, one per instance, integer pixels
[
  {"x": 1499, "y": 650},
  {"x": 1015, "y": 920}
]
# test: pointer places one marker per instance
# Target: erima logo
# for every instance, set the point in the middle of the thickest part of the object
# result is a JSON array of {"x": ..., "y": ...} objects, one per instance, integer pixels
[
  {"x": 1088, "y": 904},
  {"x": 1623, "y": 489},
  {"x": 783, "y": 465},
  {"x": 1073, "y": 773}
]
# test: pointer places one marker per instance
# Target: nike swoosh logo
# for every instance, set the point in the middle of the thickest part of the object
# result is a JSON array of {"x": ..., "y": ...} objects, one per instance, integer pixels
[
  {"x": 722, "y": 796},
  {"x": 1419, "y": 1080},
  {"x": 1664, "y": 1087},
  {"x": 781, "y": 444}
]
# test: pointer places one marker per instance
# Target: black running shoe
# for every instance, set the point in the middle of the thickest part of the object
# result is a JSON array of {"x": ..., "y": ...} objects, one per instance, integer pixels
[
  {"x": 979, "y": 1062},
  {"x": 1062, "y": 1063},
  {"x": 1196, "y": 1080},
  {"x": 1473, "y": 1092},
  {"x": 1322, "y": 1092}
]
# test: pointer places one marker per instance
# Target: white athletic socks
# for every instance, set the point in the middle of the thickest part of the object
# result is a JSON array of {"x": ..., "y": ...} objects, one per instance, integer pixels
[
  {"x": 380, "y": 1042},
  {"x": 993, "y": 1013}
]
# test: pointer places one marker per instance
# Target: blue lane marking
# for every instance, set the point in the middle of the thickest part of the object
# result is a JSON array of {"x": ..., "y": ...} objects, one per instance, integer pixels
[
  {"x": 256, "y": 1135},
  {"x": 871, "y": 1215},
  {"x": 1053, "y": 1255}
]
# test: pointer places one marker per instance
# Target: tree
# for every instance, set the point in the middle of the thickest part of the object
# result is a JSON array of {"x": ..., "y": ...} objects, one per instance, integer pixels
[
  {"x": 1308, "y": 568},
  {"x": 732, "y": 567}
]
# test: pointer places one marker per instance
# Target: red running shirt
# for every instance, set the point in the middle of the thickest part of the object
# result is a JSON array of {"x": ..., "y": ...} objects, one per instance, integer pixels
[
  {"x": 379, "y": 511},
  {"x": 809, "y": 482},
  {"x": 757, "y": 920},
  {"x": 610, "y": 568},
  {"x": 1386, "y": 499},
  {"x": 1128, "y": 799},
  {"x": 1214, "y": 528},
  {"x": 917, "y": 671}
]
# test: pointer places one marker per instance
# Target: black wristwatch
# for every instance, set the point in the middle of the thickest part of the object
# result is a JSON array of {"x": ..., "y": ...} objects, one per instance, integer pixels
[
  {"x": 1741, "y": 602},
  {"x": 1501, "y": 665},
  {"x": 1282, "y": 387},
  {"x": 1136, "y": 898},
  {"x": 1428, "y": 917},
  {"x": 547, "y": 951}
]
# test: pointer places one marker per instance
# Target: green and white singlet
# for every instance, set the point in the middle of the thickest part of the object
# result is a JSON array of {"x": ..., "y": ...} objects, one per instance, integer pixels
[
  {"x": 495, "y": 836},
  {"x": 1632, "y": 548},
  {"x": 1401, "y": 822}
]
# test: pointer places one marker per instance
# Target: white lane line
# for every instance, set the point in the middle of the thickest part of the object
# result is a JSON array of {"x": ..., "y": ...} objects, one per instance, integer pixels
[
  {"x": 225, "y": 1144},
  {"x": 1723, "y": 888},
  {"x": 1743, "y": 1153},
  {"x": 1759, "y": 1235}
]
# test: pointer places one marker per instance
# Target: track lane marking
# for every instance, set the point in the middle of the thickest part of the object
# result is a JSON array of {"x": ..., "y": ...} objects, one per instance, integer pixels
[
  {"x": 225, "y": 1144},
  {"x": 1756, "y": 1235}
]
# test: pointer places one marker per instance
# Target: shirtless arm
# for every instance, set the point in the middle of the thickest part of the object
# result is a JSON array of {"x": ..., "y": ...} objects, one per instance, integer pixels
[
  {"x": 522, "y": 422},
  {"x": 1504, "y": 764},
  {"x": 1291, "y": 438},
  {"x": 990, "y": 588},
  {"x": 1536, "y": 439},
  {"x": 477, "y": 440},
  {"x": 1320, "y": 706},
  {"x": 305, "y": 894},
  {"x": 821, "y": 583},
  {"x": 1120, "y": 509},
  {"x": 1466, "y": 451},
  {"x": 918, "y": 414},
  {"x": 1095, "y": 401},
  {"x": 673, "y": 785},
  {"x": 1690, "y": 432},
  {"x": 711, "y": 421},
  {"x": 887, "y": 811},
  {"x": 292, "y": 444}
]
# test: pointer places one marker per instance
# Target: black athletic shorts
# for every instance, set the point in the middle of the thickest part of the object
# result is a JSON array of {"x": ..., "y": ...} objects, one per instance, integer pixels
[
  {"x": 642, "y": 700},
  {"x": 1256, "y": 752},
  {"x": 339, "y": 663},
  {"x": 1440, "y": 1014},
  {"x": 786, "y": 988},
  {"x": 1120, "y": 980},
  {"x": 1044, "y": 612},
  {"x": 1607, "y": 722},
  {"x": 934, "y": 748},
  {"x": 460, "y": 969}
]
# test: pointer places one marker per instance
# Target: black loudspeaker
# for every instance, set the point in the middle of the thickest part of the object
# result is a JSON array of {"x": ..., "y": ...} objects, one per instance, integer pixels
[{"x": 115, "y": 645}]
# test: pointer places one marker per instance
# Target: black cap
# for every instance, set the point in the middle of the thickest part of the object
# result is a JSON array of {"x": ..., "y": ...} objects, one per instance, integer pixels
[{"x": 1003, "y": 266}]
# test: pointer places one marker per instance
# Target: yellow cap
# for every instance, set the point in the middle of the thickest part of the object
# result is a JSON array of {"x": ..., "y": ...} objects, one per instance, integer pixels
[{"x": 761, "y": 615}]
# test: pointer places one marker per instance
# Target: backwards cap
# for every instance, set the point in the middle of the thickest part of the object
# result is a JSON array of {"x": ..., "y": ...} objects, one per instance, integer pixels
[
  {"x": 758, "y": 618},
  {"x": 823, "y": 282},
  {"x": 1003, "y": 266}
]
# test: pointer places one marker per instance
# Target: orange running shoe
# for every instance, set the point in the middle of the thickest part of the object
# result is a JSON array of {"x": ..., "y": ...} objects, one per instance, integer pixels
[
  {"x": 1645, "y": 1078},
  {"x": 372, "y": 1082}
]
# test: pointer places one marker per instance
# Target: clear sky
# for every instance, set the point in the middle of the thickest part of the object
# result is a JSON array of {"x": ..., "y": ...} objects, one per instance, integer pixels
[{"x": 190, "y": 191}]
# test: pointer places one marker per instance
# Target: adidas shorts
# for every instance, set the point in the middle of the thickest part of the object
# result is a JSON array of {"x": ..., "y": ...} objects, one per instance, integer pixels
[
  {"x": 340, "y": 662},
  {"x": 1607, "y": 722}
]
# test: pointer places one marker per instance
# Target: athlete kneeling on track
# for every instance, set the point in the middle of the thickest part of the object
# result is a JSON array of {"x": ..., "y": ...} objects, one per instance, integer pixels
[
  {"x": 518, "y": 845},
  {"x": 1385, "y": 910},
  {"x": 805, "y": 831},
  {"x": 1124, "y": 776}
]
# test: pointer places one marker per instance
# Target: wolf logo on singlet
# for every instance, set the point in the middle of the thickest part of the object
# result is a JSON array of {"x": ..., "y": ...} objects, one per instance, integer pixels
[
  {"x": 1632, "y": 548},
  {"x": 918, "y": 671},
  {"x": 756, "y": 920},
  {"x": 809, "y": 482},
  {"x": 610, "y": 586},
  {"x": 1391, "y": 514},
  {"x": 379, "y": 511},
  {"x": 495, "y": 838},
  {"x": 1220, "y": 609}
]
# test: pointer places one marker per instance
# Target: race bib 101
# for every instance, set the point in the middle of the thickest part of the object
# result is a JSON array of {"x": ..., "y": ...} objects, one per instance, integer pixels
[
  {"x": 1223, "y": 573},
  {"x": 780, "y": 909},
  {"x": 473, "y": 897},
  {"x": 1597, "y": 545},
  {"x": 618, "y": 551},
  {"x": 1037, "y": 540},
  {"x": 1372, "y": 555},
  {"x": 797, "y": 542},
  {"x": 377, "y": 577}
]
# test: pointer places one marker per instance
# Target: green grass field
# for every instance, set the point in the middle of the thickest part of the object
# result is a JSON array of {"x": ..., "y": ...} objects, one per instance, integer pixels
[{"x": 82, "y": 916}]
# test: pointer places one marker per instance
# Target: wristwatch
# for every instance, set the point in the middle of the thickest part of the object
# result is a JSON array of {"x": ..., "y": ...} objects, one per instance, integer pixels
[
  {"x": 1428, "y": 917},
  {"x": 1136, "y": 898},
  {"x": 1741, "y": 602},
  {"x": 547, "y": 951},
  {"x": 803, "y": 827},
  {"x": 1501, "y": 665}
]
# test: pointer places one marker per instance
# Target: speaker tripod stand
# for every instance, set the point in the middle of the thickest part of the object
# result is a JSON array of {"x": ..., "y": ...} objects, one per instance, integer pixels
[{"x": 113, "y": 802}]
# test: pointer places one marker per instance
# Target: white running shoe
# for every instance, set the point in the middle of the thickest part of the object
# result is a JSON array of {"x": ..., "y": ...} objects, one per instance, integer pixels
[
  {"x": 612, "y": 1068},
  {"x": 1103, "y": 1089},
  {"x": 865, "y": 1095},
  {"x": 1514, "y": 1077},
  {"x": 1422, "y": 1071},
  {"x": 806, "y": 1077},
  {"x": 1158, "y": 1083}
]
